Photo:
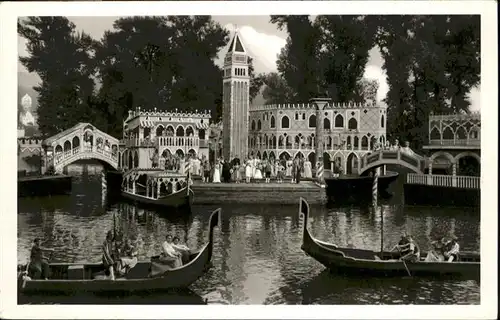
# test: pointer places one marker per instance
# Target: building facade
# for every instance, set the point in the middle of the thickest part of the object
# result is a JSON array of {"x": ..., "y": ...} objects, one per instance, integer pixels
[
  {"x": 236, "y": 101},
  {"x": 349, "y": 132},
  {"x": 167, "y": 133},
  {"x": 455, "y": 144}
]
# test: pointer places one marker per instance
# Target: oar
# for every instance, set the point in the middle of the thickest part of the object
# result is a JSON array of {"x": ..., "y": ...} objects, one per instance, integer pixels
[{"x": 406, "y": 267}]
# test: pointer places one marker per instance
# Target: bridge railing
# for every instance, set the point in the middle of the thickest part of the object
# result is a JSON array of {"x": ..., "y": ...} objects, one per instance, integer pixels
[
  {"x": 410, "y": 158},
  {"x": 68, "y": 154},
  {"x": 467, "y": 182},
  {"x": 455, "y": 142}
]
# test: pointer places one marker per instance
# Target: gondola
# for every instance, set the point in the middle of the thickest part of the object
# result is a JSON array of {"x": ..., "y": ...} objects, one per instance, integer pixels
[
  {"x": 70, "y": 278},
  {"x": 180, "y": 198},
  {"x": 149, "y": 187},
  {"x": 366, "y": 262}
]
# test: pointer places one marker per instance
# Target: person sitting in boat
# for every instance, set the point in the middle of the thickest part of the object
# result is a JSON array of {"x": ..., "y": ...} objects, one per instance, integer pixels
[
  {"x": 182, "y": 249},
  {"x": 412, "y": 251},
  {"x": 108, "y": 254},
  {"x": 38, "y": 265},
  {"x": 452, "y": 250},
  {"x": 435, "y": 254},
  {"x": 169, "y": 255},
  {"x": 128, "y": 257},
  {"x": 403, "y": 245}
]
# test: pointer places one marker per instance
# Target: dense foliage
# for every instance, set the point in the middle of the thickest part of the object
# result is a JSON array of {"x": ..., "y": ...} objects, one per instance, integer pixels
[{"x": 431, "y": 62}]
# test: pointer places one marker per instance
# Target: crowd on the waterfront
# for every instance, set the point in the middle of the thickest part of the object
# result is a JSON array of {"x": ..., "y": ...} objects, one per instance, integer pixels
[
  {"x": 236, "y": 170},
  {"x": 444, "y": 249}
]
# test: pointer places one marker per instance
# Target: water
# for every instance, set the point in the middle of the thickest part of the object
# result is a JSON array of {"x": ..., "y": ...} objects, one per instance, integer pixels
[{"x": 257, "y": 256}]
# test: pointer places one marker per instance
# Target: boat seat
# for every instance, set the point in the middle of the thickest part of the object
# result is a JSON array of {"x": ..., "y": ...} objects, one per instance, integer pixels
[{"x": 76, "y": 271}]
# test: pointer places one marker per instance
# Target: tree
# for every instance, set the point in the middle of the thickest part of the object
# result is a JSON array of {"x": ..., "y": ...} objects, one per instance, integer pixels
[
  {"x": 276, "y": 90},
  {"x": 256, "y": 81},
  {"x": 431, "y": 62},
  {"x": 368, "y": 89},
  {"x": 345, "y": 43},
  {"x": 62, "y": 58},
  {"x": 298, "y": 60},
  {"x": 160, "y": 62}
]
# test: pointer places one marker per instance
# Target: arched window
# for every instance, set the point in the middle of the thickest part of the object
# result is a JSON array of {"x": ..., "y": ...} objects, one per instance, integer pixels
[
  {"x": 352, "y": 124},
  {"x": 273, "y": 122},
  {"x": 461, "y": 133},
  {"x": 296, "y": 116},
  {"x": 159, "y": 130},
  {"x": 253, "y": 124},
  {"x": 447, "y": 133},
  {"x": 339, "y": 121},
  {"x": 326, "y": 124},
  {"x": 180, "y": 131},
  {"x": 364, "y": 143},
  {"x": 285, "y": 122},
  {"x": 435, "y": 135},
  {"x": 382, "y": 121},
  {"x": 312, "y": 121},
  {"x": 259, "y": 125}
]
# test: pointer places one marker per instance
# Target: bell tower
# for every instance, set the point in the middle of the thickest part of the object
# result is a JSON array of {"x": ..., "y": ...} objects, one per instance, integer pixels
[{"x": 235, "y": 101}]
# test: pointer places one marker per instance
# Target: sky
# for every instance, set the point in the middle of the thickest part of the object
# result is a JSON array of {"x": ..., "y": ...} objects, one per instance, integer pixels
[{"x": 261, "y": 38}]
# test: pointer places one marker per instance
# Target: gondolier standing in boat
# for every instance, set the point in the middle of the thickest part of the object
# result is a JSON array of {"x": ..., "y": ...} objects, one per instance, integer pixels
[
  {"x": 38, "y": 264},
  {"x": 107, "y": 254}
]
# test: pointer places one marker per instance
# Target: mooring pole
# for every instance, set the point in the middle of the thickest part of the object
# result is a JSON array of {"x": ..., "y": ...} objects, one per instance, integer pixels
[{"x": 320, "y": 104}]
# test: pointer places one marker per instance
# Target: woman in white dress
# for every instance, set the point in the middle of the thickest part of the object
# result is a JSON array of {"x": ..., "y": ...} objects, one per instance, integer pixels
[
  {"x": 258, "y": 170},
  {"x": 289, "y": 168},
  {"x": 216, "y": 177},
  {"x": 307, "y": 169},
  {"x": 248, "y": 170}
]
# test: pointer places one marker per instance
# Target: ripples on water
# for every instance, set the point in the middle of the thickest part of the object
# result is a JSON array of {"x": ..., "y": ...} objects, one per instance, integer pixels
[{"x": 257, "y": 257}]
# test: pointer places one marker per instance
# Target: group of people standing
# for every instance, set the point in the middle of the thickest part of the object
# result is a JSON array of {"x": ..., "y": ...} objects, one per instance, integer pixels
[{"x": 254, "y": 168}]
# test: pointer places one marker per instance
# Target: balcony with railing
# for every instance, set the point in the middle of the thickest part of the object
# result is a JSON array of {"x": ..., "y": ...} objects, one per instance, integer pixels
[
  {"x": 455, "y": 142},
  {"x": 441, "y": 180},
  {"x": 166, "y": 141}
]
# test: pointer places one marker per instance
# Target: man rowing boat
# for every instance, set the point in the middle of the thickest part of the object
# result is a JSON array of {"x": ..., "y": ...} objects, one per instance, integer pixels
[{"x": 408, "y": 248}]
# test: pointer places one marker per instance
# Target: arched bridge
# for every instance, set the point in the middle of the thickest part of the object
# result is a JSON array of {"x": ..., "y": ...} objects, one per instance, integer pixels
[
  {"x": 82, "y": 141},
  {"x": 410, "y": 160}
]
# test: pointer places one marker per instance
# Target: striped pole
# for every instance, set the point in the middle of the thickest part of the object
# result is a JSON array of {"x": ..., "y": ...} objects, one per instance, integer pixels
[
  {"x": 319, "y": 172},
  {"x": 375, "y": 187},
  {"x": 104, "y": 187},
  {"x": 187, "y": 171}
]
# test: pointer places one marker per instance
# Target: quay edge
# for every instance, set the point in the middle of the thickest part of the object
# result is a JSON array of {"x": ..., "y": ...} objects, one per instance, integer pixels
[{"x": 37, "y": 186}]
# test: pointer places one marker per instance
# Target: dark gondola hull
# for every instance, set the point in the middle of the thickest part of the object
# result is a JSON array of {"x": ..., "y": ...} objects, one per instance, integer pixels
[
  {"x": 368, "y": 262},
  {"x": 183, "y": 198},
  {"x": 137, "y": 279},
  {"x": 350, "y": 189}
]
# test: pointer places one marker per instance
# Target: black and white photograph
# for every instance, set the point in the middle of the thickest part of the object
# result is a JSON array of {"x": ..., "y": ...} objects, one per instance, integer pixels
[{"x": 179, "y": 156}]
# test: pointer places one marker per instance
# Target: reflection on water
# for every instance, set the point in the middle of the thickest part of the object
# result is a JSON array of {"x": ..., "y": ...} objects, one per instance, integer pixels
[{"x": 257, "y": 257}]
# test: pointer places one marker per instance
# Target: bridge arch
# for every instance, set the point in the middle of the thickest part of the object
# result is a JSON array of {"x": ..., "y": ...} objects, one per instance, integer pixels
[
  {"x": 443, "y": 154},
  {"x": 376, "y": 159}
]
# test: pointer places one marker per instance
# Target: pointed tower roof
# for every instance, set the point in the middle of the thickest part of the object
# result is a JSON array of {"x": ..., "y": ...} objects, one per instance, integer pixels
[{"x": 236, "y": 44}]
